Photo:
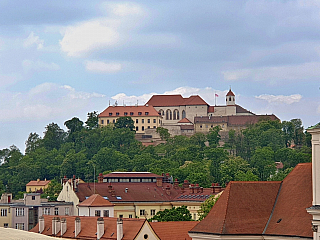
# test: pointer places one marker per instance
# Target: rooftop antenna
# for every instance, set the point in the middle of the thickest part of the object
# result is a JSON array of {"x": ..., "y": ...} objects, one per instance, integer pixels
[{"x": 109, "y": 103}]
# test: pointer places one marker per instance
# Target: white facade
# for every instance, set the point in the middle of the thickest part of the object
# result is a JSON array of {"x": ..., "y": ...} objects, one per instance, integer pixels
[
  {"x": 68, "y": 195},
  {"x": 96, "y": 211}
]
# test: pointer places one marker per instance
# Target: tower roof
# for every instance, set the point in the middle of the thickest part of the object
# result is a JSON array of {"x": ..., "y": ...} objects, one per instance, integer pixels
[{"x": 230, "y": 93}]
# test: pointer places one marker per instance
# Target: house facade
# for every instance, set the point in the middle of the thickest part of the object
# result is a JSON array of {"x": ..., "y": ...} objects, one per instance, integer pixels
[{"x": 34, "y": 186}]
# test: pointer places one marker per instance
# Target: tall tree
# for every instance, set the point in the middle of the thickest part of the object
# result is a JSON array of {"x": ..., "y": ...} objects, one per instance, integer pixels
[
  {"x": 92, "y": 120},
  {"x": 74, "y": 125},
  {"x": 54, "y": 136},
  {"x": 33, "y": 142},
  {"x": 124, "y": 122},
  {"x": 213, "y": 136}
]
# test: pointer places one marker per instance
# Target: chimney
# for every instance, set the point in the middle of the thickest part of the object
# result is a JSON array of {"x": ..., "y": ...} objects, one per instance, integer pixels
[
  {"x": 100, "y": 178},
  {"x": 64, "y": 179},
  {"x": 77, "y": 227},
  {"x": 100, "y": 227},
  {"x": 176, "y": 184},
  {"x": 212, "y": 188},
  {"x": 38, "y": 180},
  {"x": 201, "y": 190},
  {"x": 159, "y": 181},
  {"x": 63, "y": 226},
  {"x": 110, "y": 188},
  {"x": 119, "y": 229},
  {"x": 185, "y": 184},
  {"x": 217, "y": 188},
  {"x": 41, "y": 224},
  {"x": 55, "y": 226},
  {"x": 168, "y": 189},
  {"x": 197, "y": 188},
  {"x": 191, "y": 187}
]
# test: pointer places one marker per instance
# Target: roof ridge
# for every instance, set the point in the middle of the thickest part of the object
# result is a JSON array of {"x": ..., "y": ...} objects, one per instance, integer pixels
[
  {"x": 274, "y": 206},
  {"x": 227, "y": 201}
]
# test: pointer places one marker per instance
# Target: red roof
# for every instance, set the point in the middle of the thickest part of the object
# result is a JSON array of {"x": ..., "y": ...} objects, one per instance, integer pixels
[
  {"x": 246, "y": 207},
  {"x": 230, "y": 93},
  {"x": 95, "y": 200},
  {"x": 211, "y": 109},
  {"x": 185, "y": 120},
  {"x": 131, "y": 227},
  {"x": 174, "y": 100},
  {"x": 173, "y": 230},
  {"x": 38, "y": 183},
  {"x": 119, "y": 111}
]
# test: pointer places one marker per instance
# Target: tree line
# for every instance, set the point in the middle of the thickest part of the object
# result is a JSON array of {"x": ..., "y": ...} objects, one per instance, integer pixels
[{"x": 85, "y": 148}]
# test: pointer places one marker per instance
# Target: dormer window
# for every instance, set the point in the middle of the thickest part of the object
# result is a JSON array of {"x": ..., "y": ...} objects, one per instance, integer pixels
[
  {"x": 131, "y": 113},
  {"x": 146, "y": 113},
  {"x": 117, "y": 113},
  {"x": 125, "y": 113},
  {"x": 110, "y": 114},
  {"x": 139, "y": 113}
]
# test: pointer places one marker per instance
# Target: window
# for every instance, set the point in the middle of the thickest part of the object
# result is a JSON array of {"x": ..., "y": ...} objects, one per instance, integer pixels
[
  {"x": 102, "y": 121},
  {"x": 20, "y": 226},
  {"x": 110, "y": 114},
  {"x": 154, "y": 120},
  {"x": 206, "y": 126},
  {"x": 137, "y": 120},
  {"x": 168, "y": 115},
  {"x": 142, "y": 128},
  {"x": 113, "y": 120},
  {"x": 145, "y": 236},
  {"x": 137, "y": 129},
  {"x": 142, "y": 212},
  {"x": 33, "y": 197},
  {"x": 108, "y": 121},
  {"x": 154, "y": 126},
  {"x": 200, "y": 126},
  {"x": 66, "y": 211},
  {"x": 117, "y": 113},
  {"x": 125, "y": 113},
  {"x": 124, "y": 180},
  {"x": 195, "y": 216},
  {"x": 146, "y": 113},
  {"x": 97, "y": 213},
  {"x": 161, "y": 112},
  {"x": 176, "y": 114},
  {"x": 3, "y": 212},
  {"x": 106, "y": 213},
  {"x": 142, "y": 120},
  {"x": 148, "y": 120},
  {"x": 46, "y": 211},
  {"x": 183, "y": 114},
  {"x": 120, "y": 216},
  {"x": 153, "y": 212},
  {"x": 5, "y": 225},
  {"x": 56, "y": 211},
  {"x": 148, "y": 127},
  {"x": 19, "y": 212},
  {"x": 131, "y": 113},
  {"x": 139, "y": 113}
]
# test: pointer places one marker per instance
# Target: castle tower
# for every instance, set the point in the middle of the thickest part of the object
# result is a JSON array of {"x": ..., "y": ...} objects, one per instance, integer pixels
[{"x": 230, "y": 98}]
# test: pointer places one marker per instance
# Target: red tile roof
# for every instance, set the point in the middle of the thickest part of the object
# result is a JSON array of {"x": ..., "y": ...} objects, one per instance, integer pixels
[
  {"x": 131, "y": 174},
  {"x": 174, "y": 100},
  {"x": 38, "y": 183},
  {"x": 211, "y": 109},
  {"x": 246, "y": 207},
  {"x": 230, "y": 93},
  {"x": 121, "y": 110},
  {"x": 173, "y": 230},
  {"x": 131, "y": 227},
  {"x": 185, "y": 120},
  {"x": 95, "y": 200}
]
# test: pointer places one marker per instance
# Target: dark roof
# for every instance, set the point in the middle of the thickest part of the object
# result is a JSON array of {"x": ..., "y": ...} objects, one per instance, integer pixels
[
  {"x": 128, "y": 109},
  {"x": 173, "y": 230},
  {"x": 131, "y": 227},
  {"x": 237, "y": 120},
  {"x": 246, "y": 207},
  {"x": 240, "y": 109},
  {"x": 174, "y": 100}
]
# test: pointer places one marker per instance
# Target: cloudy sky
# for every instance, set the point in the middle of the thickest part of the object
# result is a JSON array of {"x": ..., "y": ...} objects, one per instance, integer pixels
[{"x": 60, "y": 59}]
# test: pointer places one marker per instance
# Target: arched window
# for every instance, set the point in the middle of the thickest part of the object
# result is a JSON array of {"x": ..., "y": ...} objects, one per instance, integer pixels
[
  {"x": 183, "y": 114},
  {"x": 176, "y": 114},
  {"x": 168, "y": 115},
  {"x": 161, "y": 112}
]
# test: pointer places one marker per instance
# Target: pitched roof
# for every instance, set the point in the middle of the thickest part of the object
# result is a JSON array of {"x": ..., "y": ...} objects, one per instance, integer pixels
[
  {"x": 121, "y": 110},
  {"x": 230, "y": 93},
  {"x": 246, "y": 207},
  {"x": 95, "y": 200},
  {"x": 131, "y": 227},
  {"x": 173, "y": 230},
  {"x": 185, "y": 120},
  {"x": 38, "y": 183},
  {"x": 175, "y": 100}
]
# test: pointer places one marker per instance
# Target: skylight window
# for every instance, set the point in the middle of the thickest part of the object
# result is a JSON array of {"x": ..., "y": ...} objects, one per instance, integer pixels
[
  {"x": 118, "y": 197},
  {"x": 106, "y": 198}
]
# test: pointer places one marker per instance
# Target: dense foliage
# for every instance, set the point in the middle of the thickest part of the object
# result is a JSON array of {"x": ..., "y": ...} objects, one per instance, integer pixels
[
  {"x": 86, "y": 148},
  {"x": 173, "y": 214}
]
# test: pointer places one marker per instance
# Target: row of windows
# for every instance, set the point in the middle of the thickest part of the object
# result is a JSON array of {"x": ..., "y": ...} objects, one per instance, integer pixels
[
  {"x": 20, "y": 226},
  {"x": 46, "y": 211},
  {"x": 211, "y": 126},
  {"x": 142, "y": 128},
  {"x": 172, "y": 116},
  {"x": 148, "y": 120},
  {"x": 132, "y": 180},
  {"x": 144, "y": 212},
  {"x": 4, "y": 212},
  {"x": 131, "y": 113},
  {"x": 97, "y": 213}
]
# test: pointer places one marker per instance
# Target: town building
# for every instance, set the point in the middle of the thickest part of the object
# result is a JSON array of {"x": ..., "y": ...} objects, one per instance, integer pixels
[
  {"x": 37, "y": 186},
  {"x": 144, "y": 117},
  {"x": 95, "y": 205},
  {"x": 139, "y": 194}
]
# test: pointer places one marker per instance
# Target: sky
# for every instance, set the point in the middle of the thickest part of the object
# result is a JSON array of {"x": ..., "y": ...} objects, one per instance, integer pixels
[{"x": 62, "y": 59}]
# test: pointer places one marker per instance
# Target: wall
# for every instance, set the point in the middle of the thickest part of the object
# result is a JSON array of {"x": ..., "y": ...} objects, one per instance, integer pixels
[
  {"x": 6, "y": 219},
  {"x": 68, "y": 195},
  {"x": 90, "y": 211}
]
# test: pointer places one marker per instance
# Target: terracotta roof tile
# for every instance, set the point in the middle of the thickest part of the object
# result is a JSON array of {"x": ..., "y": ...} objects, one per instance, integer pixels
[
  {"x": 238, "y": 120},
  {"x": 175, "y": 100},
  {"x": 38, "y": 183},
  {"x": 95, "y": 200},
  {"x": 121, "y": 110},
  {"x": 173, "y": 230},
  {"x": 230, "y": 93},
  {"x": 185, "y": 120},
  {"x": 211, "y": 109},
  {"x": 131, "y": 227}
]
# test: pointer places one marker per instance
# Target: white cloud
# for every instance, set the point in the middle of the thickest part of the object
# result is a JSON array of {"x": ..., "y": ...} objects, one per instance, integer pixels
[
  {"x": 33, "y": 39},
  {"x": 290, "y": 72},
  {"x": 125, "y": 9},
  {"x": 103, "y": 67},
  {"x": 39, "y": 65},
  {"x": 280, "y": 99}
]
